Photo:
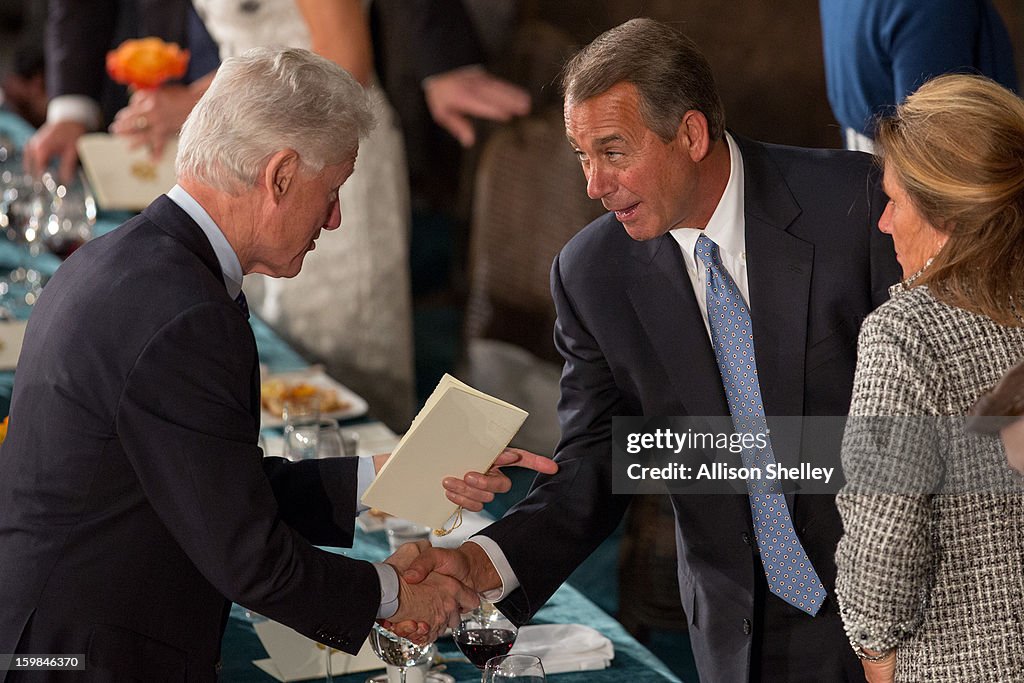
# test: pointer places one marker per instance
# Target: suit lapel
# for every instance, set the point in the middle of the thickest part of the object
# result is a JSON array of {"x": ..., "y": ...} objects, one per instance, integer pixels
[
  {"x": 173, "y": 220},
  {"x": 663, "y": 300},
  {"x": 779, "y": 267}
]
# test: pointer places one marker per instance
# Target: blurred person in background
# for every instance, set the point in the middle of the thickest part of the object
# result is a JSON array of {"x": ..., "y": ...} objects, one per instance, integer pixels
[
  {"x": 879, "y": 51},
  {"x": 24, "y": 85},
  {"x": 931, "y": 563},
  {"x": 82, "y": 97}
]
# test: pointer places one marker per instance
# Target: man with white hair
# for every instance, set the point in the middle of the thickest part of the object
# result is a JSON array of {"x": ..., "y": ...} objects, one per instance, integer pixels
[{"x": 135, "y": 501}]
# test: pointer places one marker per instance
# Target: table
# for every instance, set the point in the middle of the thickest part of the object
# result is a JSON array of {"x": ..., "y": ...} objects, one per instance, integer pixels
[{"x": 633, "y": 662}]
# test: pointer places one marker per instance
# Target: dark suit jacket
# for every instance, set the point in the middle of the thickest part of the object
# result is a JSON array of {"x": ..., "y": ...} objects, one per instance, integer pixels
[
  {"x": 634, "y": 344},
  {"x": 414, "y": 39},
  {"x": 134, "y": 502}
]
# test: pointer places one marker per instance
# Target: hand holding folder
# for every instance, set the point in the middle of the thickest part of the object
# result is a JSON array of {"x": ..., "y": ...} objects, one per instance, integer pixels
[{"x": 458, "y": 430}]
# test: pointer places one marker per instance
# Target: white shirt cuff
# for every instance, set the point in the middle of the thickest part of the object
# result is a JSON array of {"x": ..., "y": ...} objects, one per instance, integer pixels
[
  {"x": 364, "y": 477},
  {"x": 388, "y": 590},
  {"x": 80, "y": 108},
  {"x": 509, "y": 582}
]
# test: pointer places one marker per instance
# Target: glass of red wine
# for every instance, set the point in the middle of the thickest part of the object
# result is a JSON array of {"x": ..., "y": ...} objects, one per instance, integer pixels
[
  {"x": 484, "y": 633},
  {"x": 70, "y": 221}
]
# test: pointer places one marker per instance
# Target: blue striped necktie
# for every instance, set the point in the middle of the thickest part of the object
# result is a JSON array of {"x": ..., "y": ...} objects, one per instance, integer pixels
[{"x": 787, "y": 568}]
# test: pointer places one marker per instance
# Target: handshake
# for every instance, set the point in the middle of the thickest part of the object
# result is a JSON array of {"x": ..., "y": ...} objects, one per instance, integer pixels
[{"x": 436, "y": 585}]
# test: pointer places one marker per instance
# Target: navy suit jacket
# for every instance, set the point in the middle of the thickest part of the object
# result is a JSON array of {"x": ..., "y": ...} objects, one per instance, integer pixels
[
  {"x": 134, "y": 501},
  {"x": 635, "y": 344}
]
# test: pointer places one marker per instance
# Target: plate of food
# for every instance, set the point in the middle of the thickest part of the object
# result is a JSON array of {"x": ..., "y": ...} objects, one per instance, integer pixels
[{"x": 336, "y": 400}]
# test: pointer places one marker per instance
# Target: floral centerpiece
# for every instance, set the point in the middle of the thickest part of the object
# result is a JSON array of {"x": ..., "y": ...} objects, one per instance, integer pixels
[{"x": 146, "y": 63}]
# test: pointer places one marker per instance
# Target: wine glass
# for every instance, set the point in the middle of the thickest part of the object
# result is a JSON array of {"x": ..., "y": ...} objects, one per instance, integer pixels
[
  {"x": 396, "y": 651},
  {"x": 484, "y": 633},
  {"x": 514, "y": 669},
  {"x": 70, "y": 222}
]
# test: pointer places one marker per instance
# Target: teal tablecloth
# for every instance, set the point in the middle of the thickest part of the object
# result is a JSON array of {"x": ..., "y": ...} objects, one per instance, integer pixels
[{"x": 633, "y": 662}]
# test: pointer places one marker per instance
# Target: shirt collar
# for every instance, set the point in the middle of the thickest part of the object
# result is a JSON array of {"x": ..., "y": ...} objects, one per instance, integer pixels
[
  {"x": 230, "y": 267},
  {"x": 725, "y": 227}
]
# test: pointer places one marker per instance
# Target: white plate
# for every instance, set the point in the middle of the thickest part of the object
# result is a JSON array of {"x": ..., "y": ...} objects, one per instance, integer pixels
[{"x": 316, "y": 377}]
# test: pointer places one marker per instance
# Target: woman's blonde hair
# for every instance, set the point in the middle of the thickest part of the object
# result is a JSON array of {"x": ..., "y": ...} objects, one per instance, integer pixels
[{"x": 957, "y": 146}]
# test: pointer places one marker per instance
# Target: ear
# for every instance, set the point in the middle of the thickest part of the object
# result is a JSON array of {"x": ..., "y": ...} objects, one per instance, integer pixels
[
  {"x": 692, "y": 135},
  {"x": 280, "y": 173}
]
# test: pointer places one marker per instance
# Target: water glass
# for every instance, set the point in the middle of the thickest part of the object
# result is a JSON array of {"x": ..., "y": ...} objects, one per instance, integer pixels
[
  {"x": 401, "y": 531},
  {"x": 514, "y": 669},
  {"x": 350, "y": 442},
  {"x": 329, "y": 442},
  {"x": 398, "y": 652},
  {"x": 301, "y": 427}
]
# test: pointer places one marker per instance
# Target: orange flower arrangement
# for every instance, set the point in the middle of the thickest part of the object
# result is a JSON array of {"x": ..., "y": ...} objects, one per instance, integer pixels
[
  {"x": 146, "y": 63},
  {"x": 3, "y": 428}
]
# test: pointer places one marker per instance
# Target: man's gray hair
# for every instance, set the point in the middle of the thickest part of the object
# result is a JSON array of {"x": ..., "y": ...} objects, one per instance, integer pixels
[
  {"x": 669, "y": 72},
  {"x": 264, "y": 101}
]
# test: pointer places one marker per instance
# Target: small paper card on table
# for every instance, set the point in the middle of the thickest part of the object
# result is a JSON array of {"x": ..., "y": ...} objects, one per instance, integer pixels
[
  {"x": 458, "y": 430},
  {"x": 12, "y": 334},
  {"x": 124, "y": 178},
  {"x": 294, "y": 657}
]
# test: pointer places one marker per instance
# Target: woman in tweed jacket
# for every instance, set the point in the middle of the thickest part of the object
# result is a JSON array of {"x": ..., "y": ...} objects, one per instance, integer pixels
[{"x": 931, "y": 566}]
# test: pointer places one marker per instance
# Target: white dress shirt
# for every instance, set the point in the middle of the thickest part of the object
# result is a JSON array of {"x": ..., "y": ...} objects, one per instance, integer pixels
[
  {"x": 80, "y": 108},
  {"x": 726, "y": 229}
]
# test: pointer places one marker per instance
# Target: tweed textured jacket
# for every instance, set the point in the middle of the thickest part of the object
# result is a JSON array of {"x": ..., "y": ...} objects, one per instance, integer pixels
[{"x": 932, "y": 560}]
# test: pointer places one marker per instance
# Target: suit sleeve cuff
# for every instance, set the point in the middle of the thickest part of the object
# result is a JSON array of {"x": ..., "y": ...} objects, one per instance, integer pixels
[
  {"x": 388, "y": 590},
  {"x": 509, "y": 582},
  {"x": 80, "y": 108}
]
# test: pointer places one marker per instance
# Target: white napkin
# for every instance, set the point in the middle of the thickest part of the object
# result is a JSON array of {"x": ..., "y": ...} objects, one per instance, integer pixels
[
  {"x": 565, "y": 647},
  {"x": 294, "y": 657}
]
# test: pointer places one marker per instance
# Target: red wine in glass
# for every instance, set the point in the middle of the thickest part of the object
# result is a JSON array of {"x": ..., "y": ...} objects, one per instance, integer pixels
[{"x": 480, "y": 644}]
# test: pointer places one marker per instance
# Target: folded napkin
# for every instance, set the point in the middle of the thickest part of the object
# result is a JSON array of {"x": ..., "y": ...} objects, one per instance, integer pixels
[
  {"x": 294, "y": 657},
  {"x": 565, "y": 647}
]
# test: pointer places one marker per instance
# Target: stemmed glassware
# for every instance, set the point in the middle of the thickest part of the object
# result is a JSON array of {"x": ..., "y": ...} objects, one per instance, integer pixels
[
  {"x": 69, "y": 223},
  {"x": 43, "y": 215},
  {"x": 484, "y": 633},
  {"x": 514, "y": 669},
  {"x": 398, "y": 652}
]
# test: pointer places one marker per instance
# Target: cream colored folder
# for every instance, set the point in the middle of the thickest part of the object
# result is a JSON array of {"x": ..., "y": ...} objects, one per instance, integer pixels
[
  {"x": 123, "y": 178},
  {"x": 12, "y": 333},
  {"x": 458, "y": 430}
]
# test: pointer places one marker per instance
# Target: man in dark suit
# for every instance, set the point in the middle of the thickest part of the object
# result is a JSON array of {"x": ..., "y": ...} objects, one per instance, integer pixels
[
  {"x": 788, "y": 235},
  {"x": 136, "y": 502}
]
